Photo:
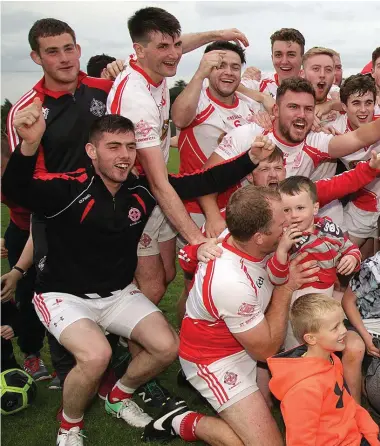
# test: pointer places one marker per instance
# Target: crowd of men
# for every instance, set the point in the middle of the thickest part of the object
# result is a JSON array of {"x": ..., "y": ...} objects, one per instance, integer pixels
[{"x": 275, "y": 206}]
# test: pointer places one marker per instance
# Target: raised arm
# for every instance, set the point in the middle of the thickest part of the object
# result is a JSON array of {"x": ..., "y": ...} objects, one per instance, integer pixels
[
  {"x": 185, "y": 106},
  {"x": 329, "y": 189},
  {"x": 351, "y": 142},
  {"x": 17, "y": 182},
  {"x": 193, "y": 41}
]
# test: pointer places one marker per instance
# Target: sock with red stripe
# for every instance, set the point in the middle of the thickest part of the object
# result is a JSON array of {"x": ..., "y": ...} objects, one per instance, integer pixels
[
  {"x": 120, "y": 392},
  {"x": 185, "y": 424},
  {"x": 68, "y": 423}
]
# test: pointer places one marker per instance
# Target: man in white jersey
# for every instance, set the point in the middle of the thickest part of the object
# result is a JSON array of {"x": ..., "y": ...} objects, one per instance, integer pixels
[
  {"x": 229, "y": 324},
  {"x": 319, "y": 69},
  {"x": 376, "y": 75},
  {"x": 288, "y": 46},
  {"x": 141, "y": 93},
  {"x": 204, "y": 114},
  {"x": 303, "y": 150},
  {"x": 358, "y": 96}
]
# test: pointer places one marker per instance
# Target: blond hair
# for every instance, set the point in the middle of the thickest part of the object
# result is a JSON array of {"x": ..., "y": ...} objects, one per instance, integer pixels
[
  {"x": 315, "y": 51},
  {"x": 308, "y": 311}
]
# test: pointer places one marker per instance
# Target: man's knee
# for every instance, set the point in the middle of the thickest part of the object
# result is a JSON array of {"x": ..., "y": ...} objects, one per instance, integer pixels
[
  {"x": 167, "y": 349},
  {"x": 170, "y": 274},
  {"x": 95, "y": 360},
  {"x": 354, "y": 350}
]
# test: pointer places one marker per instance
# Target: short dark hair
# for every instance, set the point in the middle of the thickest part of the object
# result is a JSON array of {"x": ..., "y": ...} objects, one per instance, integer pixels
[
  {"x": 249, "y": 211},
  {"x": 276, "y": 155},
  {"x": 297, "y": 184},
  {"x": 150, "y": 20},
  {"x": 97, "y": 63},
  {"x": 48, "y": 28},
  {"x": 375, "y": 56},
  {"x": 109, "y": 124},
  {"x": 5, "y": 149},
  {"x": 225, "y": 45},
  {"x": 295, "y": 84},
  {"x": 357, "y": 83},
  {"x": 288, "y": 35}
]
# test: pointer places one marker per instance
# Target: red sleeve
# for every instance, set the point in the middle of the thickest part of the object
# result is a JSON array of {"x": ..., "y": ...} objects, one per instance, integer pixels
[
  {"x": 187, "y": 257},
  {"x": 277, "y": 272},
  {"x": 99, "y": 83},
  {"x": 329, "y": 189}
]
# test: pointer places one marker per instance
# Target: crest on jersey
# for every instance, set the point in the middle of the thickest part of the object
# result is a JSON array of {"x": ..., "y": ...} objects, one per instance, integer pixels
[
  {"x": 41, "y": 263},
  {"x": 230, "y": 378},
  {"x": 297, "y": 160},
  {"x": 45, "y": 112},
  {"x": 97, "y": 108},
  {"x": 246, "y": 309},
  {"x": 145, "y": 240},
  {"x": 143, "y": 128},
  {"x": 134, "y": 215}
]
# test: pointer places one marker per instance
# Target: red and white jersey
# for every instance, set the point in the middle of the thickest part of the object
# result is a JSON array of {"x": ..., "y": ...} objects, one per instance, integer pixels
[
  {"x": 300, "y": 159},
  {"x": 137, "y": 97},
  {"x": 268, "y": 84},
  {"x": 229, "y": 295},
  {"x": 368, "y": 198},
  {"x": 198, "y": 140}
]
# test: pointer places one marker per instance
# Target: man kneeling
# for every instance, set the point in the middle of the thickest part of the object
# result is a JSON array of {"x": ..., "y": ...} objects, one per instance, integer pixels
[{"x": 86, "y": 256}]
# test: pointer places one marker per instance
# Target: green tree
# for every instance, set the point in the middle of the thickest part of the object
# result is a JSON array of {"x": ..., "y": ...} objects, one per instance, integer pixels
[
  {"x": 175, "y": 91},
  {"x": 5, "y": 108}
]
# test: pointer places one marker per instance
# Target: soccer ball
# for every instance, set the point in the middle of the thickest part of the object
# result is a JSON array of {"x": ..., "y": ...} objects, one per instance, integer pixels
[{"x": 18, "y": 390}]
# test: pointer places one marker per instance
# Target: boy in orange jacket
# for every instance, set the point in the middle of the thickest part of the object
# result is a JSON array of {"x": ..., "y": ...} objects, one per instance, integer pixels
[{"x": 308, "y": 380}]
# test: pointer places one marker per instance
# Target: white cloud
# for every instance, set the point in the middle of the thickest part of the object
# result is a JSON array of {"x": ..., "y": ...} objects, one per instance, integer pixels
[{"x": 352, "y": 28}]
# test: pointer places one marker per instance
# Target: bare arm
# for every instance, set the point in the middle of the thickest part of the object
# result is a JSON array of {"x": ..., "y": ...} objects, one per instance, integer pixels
[
  {"x": 351, "y": 142},
  {"x": 154, "y": 167},
  {"x": 353, "y": 315},
  {"x": 193, "y": 41},
  {"x": 265, "y": 99},
  {"x": 266, "y": 338},
  {"x": 185, "y": 106}
]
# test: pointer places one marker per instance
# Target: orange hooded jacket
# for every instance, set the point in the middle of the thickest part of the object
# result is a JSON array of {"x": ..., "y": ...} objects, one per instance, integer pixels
[{"x": 316, "y": 406}]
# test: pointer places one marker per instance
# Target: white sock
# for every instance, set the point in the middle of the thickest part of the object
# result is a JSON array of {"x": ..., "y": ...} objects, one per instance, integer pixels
[
  {"x": 71, "y": 420},
  {"x": 176, "y": 422}
]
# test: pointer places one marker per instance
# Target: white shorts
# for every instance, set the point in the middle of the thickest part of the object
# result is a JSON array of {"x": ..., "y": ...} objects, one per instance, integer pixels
[
  {"x": 334, "y": 210},
  {"x": 199, "y": 220},
  {"x": 359, "y": 223},
  {"x": 224, "y": 382},
  {"x": 290, "y": 340},
  {"x": 157, "y": 230},
  {"x": 119, "y": 313}
]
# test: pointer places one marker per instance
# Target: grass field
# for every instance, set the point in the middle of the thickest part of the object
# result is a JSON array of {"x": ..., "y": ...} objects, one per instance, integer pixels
[{"x": 36, "y": 426}]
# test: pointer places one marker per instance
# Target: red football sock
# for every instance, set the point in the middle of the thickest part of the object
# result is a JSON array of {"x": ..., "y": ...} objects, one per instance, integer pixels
[
  {"x": 119, "y": 393},
  {"x": 68, "y": 423},
  {"x": 187, "y": 425}
]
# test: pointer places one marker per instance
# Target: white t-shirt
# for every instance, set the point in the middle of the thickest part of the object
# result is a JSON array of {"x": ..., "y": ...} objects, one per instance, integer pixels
[
  {"x": 300, "y": 159},
  {"x": 229, "y": 295},
  {"x": 268, "y": 84},
  {"x": 146, "y": 103}
]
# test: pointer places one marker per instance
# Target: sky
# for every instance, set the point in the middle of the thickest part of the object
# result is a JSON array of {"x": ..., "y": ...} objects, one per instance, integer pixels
[{"x": 351, "y": 28}]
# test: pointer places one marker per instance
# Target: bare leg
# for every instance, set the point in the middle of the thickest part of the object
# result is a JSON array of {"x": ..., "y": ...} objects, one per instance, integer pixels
[
  {"x": 92, "y": 352},
  {"x": 216, "y": 432},
  {"x": 252, "y": 421},
  {"x": 168, "y": 255},
  {"x": 158, "y": 349},
  {"x": 262, "y": 379},
  {"x": 353, "y": 355}
]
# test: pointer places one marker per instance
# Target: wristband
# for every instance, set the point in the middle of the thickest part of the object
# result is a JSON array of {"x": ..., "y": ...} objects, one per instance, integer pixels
[{"x": 20, "y": 270}]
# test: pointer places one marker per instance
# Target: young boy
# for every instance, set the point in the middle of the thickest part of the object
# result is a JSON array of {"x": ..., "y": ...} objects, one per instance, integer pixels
[
  {"x": 308, "y": 380},
  {"x": 322, "y": 239}
]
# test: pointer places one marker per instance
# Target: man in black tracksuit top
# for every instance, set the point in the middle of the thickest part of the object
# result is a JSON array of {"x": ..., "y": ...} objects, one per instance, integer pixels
[{"x": 94, "y": 220}]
